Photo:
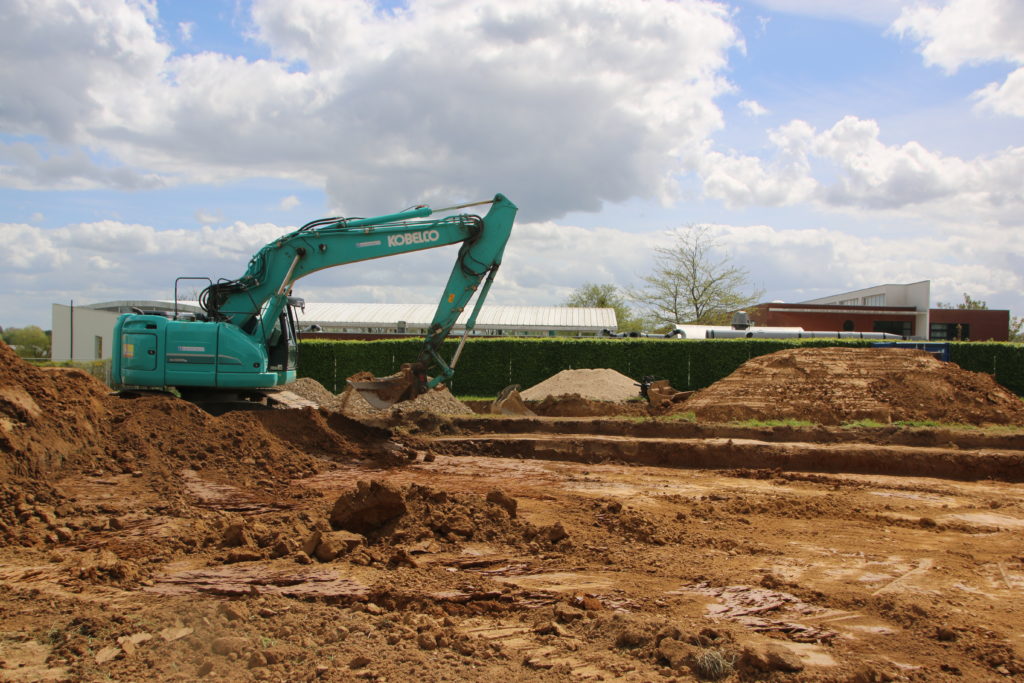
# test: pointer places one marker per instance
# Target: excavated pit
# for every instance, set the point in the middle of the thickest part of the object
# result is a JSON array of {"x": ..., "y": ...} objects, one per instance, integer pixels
[{"x": 142, "y": 539}]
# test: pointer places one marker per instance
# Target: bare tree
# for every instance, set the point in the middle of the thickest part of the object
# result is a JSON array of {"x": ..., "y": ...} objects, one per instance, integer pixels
[{"x": 690, "y": 284}]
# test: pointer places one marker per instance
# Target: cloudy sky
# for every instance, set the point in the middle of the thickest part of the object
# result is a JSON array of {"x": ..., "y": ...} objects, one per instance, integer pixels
[{"x": 832, "y": 145}]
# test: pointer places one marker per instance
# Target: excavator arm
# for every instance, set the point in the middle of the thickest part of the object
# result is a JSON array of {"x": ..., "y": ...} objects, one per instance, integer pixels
[{"x": 230, "y": 348}]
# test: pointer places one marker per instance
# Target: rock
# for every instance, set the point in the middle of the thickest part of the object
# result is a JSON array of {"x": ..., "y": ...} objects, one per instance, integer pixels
[
  {"x": 172, "y": 633},
  {"x": 675, "y": 652},
  {"x": 236, "y": 535},
  {"x": 107, "y": 653},
  {"x": 771, "y": 657},
  {"x": 944, "y": 634},
  {"x": 503, "y": 500},
  {"x": 335, "y": 543},
  {"x": 359, "y": 661},
  {"x": 234, "y": 612},
  {"x": 204, "y": 669},
  {"x": 311, "y": 542},
  {"x": 244, "y": 555},
  {"x": 229, "y": 644},
  {"x": 371, "y": 506}
]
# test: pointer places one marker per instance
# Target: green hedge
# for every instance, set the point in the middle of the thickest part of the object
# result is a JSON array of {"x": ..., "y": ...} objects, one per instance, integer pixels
[
  {"x": 488, "y": 365},
  {"x": 1003, "y": 360}
]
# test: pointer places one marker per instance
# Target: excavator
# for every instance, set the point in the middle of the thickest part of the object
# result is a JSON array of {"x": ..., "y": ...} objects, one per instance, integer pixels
[{"x": 244, "y": 343}]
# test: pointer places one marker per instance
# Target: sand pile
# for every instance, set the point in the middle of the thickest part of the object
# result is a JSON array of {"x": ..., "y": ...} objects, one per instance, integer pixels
[
  {"x": 594, "y": 384},
  {"x": 840, "y": 385}
]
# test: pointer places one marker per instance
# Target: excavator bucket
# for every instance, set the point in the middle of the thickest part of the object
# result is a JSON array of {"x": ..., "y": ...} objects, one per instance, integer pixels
[
  {"x": 509, "y": 402},
  {"x": 384, "y": 392},
  {"x": 661, "y": 393}
]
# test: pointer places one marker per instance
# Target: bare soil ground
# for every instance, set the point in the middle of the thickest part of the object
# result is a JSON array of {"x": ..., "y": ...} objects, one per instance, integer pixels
[{"x": 142, "y": 539}]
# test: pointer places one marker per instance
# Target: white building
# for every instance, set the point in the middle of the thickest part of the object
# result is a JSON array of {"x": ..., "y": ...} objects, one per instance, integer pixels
[{"x": 85, "y": 332}]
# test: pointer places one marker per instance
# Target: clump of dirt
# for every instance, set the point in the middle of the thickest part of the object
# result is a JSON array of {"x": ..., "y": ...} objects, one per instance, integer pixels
[
  {"x": 419, "y": 514},
  {"x": 594, "y": 384},
  {"x": 841, "y": 385}
]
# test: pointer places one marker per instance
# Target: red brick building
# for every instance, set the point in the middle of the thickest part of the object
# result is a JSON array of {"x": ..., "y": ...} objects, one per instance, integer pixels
[{"x": 897, "y": 309}]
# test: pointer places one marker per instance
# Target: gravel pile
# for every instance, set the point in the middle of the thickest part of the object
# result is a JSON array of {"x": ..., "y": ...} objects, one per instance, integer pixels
[{"x": 595, "y": 384}]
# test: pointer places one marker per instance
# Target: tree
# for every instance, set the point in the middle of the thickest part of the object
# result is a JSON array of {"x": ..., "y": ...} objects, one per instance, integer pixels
[
  {"x": 1016, "y": 329},
  {"x": 689, "y": 284},
  {"x": 591, "y": 295},
  {"x": 28, "y": 342},
  {"x": 968, "y": 304}
]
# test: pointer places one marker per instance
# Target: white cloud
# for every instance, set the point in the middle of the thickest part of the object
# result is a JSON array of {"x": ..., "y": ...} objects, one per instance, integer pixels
[
  {"x": 973, "y": 32},
  {"x": 752, "y": 108},
  {"x": 544, "y": 262},
  {"x": 366, "y": 105},
  {"x": 289, "y": 202},
  {"x": 185, "y": 29},
  {"x": 848, "y": 166}
]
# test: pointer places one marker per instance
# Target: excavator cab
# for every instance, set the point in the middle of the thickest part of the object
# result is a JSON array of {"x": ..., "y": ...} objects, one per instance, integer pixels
[{"x": 283, "y": 343}]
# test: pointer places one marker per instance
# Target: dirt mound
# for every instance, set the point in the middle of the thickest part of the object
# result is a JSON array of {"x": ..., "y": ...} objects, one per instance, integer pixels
[
  {"x": 309, "y": 389},
  {"x": 57, "y": 422},
  {"x": 594, "y": 384},
  {"x": 439, "y": 401},
  {"x": 840, "y": 385},
  {"x": 574, "y": 405}
]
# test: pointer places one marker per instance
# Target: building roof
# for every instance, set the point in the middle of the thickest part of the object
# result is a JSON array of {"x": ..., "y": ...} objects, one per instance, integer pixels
[
  {"x": 336, "y": 315},
  {"x": 491, "y": 317}
]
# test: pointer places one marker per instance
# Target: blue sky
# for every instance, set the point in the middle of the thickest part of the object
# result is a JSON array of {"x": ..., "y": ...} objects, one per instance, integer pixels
[{"x": 831, "y": 145}]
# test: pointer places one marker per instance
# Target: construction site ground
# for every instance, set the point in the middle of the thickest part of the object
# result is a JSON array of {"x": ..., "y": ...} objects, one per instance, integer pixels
[{"x": 142, "y": 539}]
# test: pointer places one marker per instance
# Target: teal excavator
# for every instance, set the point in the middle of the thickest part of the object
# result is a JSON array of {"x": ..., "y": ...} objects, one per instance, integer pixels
[{"x": 245, "y": 341}]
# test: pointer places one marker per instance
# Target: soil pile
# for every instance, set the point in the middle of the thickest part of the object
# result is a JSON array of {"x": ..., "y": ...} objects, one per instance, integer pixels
[
  {"x": 311, "y": 390},
  {"x": 840, "y": 385},
  {"x": 55, "y": 422},
  {"x": 594, "y": 384},
  {"x": 439, "y": 401}
]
